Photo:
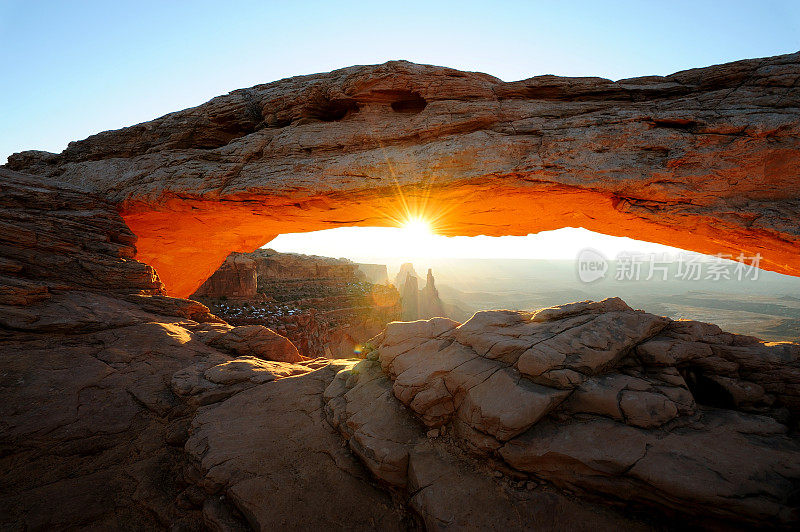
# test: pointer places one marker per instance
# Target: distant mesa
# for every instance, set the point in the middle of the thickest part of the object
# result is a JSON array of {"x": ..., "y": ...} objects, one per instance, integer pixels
[
  {"x": 239, "y": 275},
  {"x": 406, "y": 270},
  {"x": 374, "y": 273},
  {"x": 327, "y": 307}
]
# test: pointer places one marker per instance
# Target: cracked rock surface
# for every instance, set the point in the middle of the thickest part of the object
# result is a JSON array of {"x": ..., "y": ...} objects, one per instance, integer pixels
[
  {"x": 270, "y": 450},
  {"x": 593, "y": 396}
]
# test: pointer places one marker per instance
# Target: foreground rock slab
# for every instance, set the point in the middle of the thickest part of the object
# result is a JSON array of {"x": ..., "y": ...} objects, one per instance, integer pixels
[
  {"x": 585, "y": 397},
  {"x": 271, "y": 452},
  {"x": 447, "y": 488}
]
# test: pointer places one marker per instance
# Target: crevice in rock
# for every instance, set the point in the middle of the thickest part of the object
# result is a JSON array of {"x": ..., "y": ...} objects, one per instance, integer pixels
[
  {"x": 675, "y": 123},
  {"x": 329, "y": 110},
  {"x": 410, "y": 103},
  {"x": 705, "y": 391}
]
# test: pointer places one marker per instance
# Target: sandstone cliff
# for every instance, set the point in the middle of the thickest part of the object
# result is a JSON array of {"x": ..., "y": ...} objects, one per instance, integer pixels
[
  {"x": 409, "y": 296},
  {"x": 430, "y": 306},
  {"x": 272, "y": 265},
  {"x": 243, "y": 274},
  {"x": 237, "y": 277},
  {"x": 705, "y": 159},
  {"x": 124, "y": 408},
  {"x": 323, "y": 305},
  {"x": 406, "y": 270}
]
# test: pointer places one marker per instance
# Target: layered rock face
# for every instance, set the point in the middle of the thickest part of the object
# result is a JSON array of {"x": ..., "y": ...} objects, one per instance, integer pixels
[
  {"x": 323, "y": 305},
  {"x": 273, "y": 266},
  {"x": 243, "y": 274},
  {"x": 52, "y": 241},
  {"x": 704, "y": 159},
  {"x": 237, "y": 277},
  {"x": 593, "y": 396}
]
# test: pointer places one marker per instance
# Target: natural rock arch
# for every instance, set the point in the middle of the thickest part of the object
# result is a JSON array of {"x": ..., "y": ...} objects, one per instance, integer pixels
[{"x": 706, "y": 159}]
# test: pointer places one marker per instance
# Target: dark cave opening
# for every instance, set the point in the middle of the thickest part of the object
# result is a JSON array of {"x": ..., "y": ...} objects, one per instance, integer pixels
[{"x": 705, "y": 390}]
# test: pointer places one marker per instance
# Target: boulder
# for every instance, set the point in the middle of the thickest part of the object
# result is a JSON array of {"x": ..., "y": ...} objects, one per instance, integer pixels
[
  {"x": 255, "y": 340},
  {"x": 445, "y": 488}
]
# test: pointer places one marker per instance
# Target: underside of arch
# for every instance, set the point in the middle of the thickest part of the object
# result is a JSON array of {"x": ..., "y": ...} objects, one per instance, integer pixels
[{"x": 188, "y": 242}]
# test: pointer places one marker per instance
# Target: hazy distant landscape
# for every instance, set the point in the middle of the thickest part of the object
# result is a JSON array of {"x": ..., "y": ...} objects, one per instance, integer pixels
[{"x": 768, "y": 307}]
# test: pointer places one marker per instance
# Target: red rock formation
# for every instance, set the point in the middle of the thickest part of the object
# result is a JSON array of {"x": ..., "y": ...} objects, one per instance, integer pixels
[
  {"x": 54, "y": 239},
  {"x": 274, "y": 266},
  {"x": 410, "y": 298},
  {"x": 322, "y": 305},
  {"x": 406, "y": 270},
  {"x": 430, "y": 306},
  {"x": 705, "y": 159},
  {"x": 237, "y": 277}
]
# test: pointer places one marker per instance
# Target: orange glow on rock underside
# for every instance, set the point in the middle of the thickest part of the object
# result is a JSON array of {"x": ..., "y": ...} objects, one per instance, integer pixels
[{"x": 186, "y": 240}]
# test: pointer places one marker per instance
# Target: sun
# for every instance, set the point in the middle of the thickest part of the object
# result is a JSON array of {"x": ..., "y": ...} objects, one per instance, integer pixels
[{"x": 417, "y": 226}]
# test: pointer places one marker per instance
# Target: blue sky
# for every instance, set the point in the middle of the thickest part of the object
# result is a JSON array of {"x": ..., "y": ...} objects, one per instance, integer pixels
[{"x": 73, "y": 68}]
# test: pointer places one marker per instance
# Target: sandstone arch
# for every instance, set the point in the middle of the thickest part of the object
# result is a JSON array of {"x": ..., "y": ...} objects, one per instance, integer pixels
[{"x": 706, "y": 160}]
